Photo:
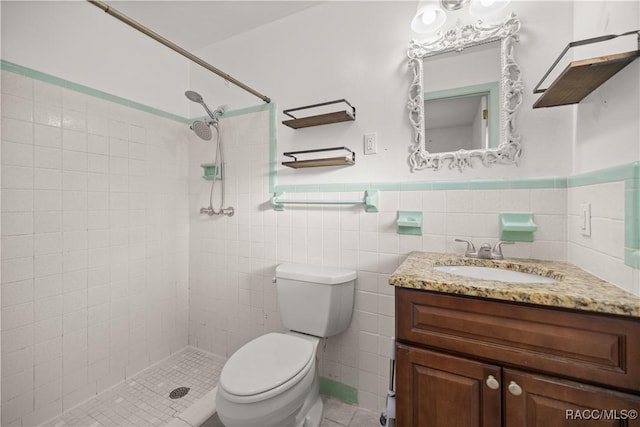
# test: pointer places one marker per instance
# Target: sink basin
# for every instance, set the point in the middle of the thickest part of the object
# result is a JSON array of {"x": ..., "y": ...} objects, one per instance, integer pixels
[{"x": 495, "y": 274}]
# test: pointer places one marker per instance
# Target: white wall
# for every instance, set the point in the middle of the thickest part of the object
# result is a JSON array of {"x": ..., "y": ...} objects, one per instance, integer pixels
[
  {"x": 357, "y": 51},
  {"x": 606, "y": 133},
  {"x": 77, "y": 41},
  {"x": 607, "y": 129},
  {"x": 94, "y": 246}
]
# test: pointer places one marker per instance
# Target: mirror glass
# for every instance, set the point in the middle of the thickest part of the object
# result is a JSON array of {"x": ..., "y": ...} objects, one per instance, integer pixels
[
  {"x": 467, "y": 68},
  {"x": 462, "y": 118}
]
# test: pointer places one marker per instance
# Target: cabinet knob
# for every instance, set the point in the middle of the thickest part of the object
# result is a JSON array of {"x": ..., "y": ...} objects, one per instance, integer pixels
[
  {"x": 492, "y": 383},
  {"x": 515, "y": 389}
]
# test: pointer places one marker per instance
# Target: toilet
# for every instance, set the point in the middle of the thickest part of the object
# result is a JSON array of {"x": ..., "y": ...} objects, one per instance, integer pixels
[{"x": 272, "y": 381}]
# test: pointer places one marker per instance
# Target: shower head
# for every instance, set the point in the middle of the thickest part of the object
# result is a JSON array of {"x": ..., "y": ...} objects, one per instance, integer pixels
[
  {"x": 195, "y": 97},
  {"x": 202, "y": 129}
]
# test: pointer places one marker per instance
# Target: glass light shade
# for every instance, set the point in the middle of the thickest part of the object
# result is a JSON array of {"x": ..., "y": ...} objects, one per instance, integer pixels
[
  {"x": 429, "y": 18},
  {"x": 453, "y": 4},
  {"x": 484, "y": 8}
]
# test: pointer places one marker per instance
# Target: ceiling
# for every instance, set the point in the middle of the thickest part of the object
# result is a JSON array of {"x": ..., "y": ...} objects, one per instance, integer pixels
[{"x": 195, "y": 24}]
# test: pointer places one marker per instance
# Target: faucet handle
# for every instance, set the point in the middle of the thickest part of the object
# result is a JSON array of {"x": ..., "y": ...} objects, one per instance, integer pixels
[
  {"x": 496, "y": 252},
  {"x": 470, "y": 248}
]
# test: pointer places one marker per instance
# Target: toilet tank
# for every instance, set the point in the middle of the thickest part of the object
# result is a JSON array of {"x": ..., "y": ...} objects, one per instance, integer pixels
[{"x": 315, "y": 300}]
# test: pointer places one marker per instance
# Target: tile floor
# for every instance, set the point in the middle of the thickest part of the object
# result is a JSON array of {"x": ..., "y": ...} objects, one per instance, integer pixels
[
  {"x": 338, "y": 414},
  {"x": 143, "y": 400},
  {"x": 335, "y": 414}
]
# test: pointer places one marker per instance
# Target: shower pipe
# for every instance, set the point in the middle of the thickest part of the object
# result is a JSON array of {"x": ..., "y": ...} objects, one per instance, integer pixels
[{"x": 157, "y": 37}]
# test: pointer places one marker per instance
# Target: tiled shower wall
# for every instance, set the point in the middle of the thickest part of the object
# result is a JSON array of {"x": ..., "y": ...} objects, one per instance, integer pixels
[
  {"x": 94, "y": 245},
  {"x": 232, "y": 299}
]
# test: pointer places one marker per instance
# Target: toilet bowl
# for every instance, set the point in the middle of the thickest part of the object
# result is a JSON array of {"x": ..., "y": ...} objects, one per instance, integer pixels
[
  {"x": 272, "y": 381},
  {"x": 269, "y": 382}
]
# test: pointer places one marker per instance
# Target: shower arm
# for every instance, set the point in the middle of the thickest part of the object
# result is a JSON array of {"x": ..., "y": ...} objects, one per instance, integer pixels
[{"x": 157, "y": 37}]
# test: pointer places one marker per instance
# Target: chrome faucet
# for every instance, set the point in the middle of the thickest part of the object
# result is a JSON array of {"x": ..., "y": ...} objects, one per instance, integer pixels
[
  {"x": 485, "y": 251},
  {"x": 496, "y": 252},
  {"x": 471, "y": 250}
]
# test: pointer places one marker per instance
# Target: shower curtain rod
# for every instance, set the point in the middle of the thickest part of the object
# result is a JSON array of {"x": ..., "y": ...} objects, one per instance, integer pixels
[{"x": 157, "y": 37}]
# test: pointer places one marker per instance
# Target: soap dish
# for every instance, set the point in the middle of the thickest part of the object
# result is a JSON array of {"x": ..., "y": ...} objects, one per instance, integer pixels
[
  {"x": 517, "y": 226},
  {"x": 410, "y": 222}
]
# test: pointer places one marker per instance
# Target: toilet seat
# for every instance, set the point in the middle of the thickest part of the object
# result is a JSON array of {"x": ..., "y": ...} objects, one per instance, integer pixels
[{"x": 266, "y": 366}]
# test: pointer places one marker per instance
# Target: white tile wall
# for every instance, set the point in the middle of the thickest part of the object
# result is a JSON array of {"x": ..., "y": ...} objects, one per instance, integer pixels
[
  {"x": 94, "y": 245},
  {"x": 603, "y": 252},
  {"x": 233, "y": 259},
  {"x": 101, "y": 232}
]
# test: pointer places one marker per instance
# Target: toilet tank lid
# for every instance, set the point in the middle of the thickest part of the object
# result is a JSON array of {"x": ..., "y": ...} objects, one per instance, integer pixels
[{"x": 315, "y": 273}]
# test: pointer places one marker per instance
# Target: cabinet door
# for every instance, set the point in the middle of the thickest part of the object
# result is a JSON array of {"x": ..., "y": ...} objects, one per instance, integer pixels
[
  {"x": 440, "y": 390},
  {"x": 532, "y": 400}
]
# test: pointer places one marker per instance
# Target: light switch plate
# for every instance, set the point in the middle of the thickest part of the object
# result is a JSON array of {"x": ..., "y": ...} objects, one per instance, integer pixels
[
  {"x": 370, "y": 143},
  {"x": 585, "y": 219}
]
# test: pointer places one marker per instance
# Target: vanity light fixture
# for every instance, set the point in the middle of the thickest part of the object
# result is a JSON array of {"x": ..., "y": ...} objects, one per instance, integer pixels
[
  {"x": 429, "y": 17},
  {"x": 432, "y": 14}
]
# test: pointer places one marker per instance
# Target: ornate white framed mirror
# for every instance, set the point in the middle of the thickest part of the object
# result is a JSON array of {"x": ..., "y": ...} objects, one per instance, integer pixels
[{"x": 471, "y": 68}]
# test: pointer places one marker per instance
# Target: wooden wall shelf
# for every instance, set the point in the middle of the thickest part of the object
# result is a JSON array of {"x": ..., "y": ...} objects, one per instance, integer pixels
[
  {"x": 580, "y": 78},
  {"x": 320, "y": 119},
  {"x": 345, "y": 160},
  {"x": 329, "y": 161}
]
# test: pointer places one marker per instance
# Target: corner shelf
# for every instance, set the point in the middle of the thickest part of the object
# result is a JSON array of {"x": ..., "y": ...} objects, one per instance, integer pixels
[
  {"x": 347, "y": 160},
  {"x": 320, "y": 119},
  {"x": 582, "y": 77},
  {"x": 211, "y": 171}
]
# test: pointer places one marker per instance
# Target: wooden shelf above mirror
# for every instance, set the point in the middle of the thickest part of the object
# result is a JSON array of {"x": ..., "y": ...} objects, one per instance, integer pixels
[
  {"x": 580, "y": 78},
  {"x": 583, "y": 76}
]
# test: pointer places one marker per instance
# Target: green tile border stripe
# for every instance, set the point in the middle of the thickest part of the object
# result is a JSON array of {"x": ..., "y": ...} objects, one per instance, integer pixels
[
  {"x": 602, "y": 176},
  {"x": 613, "y": 174},
  {"x": 632, "y": 220},
  {"x": 339, "y": 390},
  {"x": 629, "y": 173},
  {"x": 273, "y": 145},
  {"x": 48, "y": 78},
  {"x": 481, "y": 184}
]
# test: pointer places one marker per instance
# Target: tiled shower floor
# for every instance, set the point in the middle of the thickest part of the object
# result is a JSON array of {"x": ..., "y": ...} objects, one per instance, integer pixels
[{"x": 143, "y": 400}]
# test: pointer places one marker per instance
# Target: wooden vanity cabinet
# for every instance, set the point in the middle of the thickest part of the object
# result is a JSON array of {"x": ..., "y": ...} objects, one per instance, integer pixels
[{"x": 465, "y": 361}]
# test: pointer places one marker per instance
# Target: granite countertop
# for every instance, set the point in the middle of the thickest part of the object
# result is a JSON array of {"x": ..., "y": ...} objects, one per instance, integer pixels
[{"x": 574, "y": 288}]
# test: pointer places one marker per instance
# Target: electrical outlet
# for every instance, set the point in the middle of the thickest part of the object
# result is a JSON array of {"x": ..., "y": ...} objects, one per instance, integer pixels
[
  {"x": 585, "y": 219},
  {"x": 370, "y": 143}
]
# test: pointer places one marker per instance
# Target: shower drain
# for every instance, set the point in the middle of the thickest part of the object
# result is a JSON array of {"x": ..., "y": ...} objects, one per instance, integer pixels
[{"x": 179, "y": 392}]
